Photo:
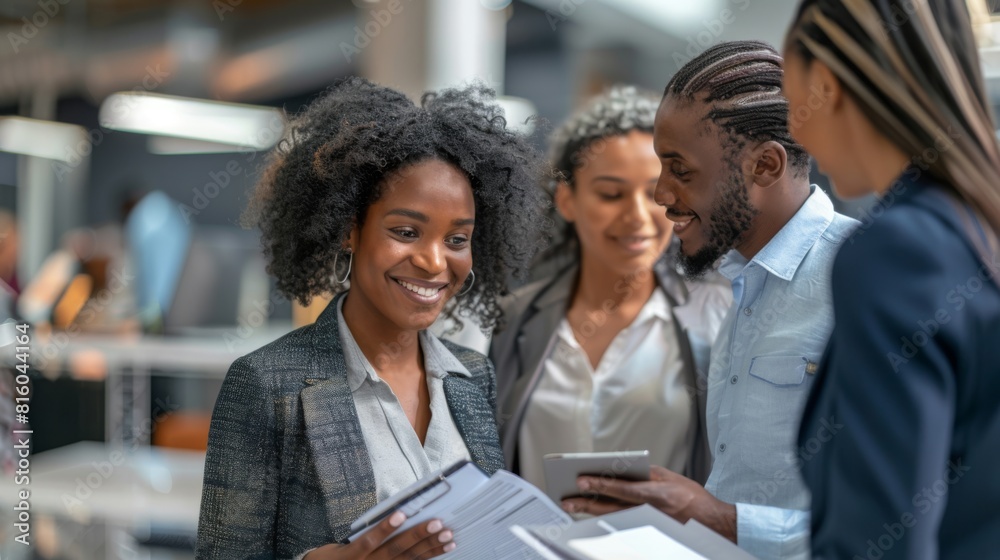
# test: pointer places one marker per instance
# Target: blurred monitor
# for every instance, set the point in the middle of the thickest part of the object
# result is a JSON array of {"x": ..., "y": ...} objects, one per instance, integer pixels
[{"x": 222, "y": 270}]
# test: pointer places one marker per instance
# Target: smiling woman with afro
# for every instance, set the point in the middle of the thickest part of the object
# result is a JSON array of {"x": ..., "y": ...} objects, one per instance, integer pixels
[
  {"x": 334, "y": 164},
  {"x": 406, "y": 212}
]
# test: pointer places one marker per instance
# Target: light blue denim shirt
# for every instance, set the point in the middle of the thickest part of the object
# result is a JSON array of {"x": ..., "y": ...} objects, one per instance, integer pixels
[{"x": 761, "y": 371}]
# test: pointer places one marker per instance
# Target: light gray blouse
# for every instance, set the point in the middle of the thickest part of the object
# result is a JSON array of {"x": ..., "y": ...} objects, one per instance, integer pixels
[{"x": 398, "y": 458}]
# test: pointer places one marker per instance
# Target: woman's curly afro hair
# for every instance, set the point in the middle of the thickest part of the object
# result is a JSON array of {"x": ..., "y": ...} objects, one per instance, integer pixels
[{"x": 337, "y": 156}]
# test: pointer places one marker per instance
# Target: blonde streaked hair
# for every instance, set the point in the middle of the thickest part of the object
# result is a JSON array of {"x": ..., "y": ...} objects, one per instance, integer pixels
[{"x": 913, "y": 67}]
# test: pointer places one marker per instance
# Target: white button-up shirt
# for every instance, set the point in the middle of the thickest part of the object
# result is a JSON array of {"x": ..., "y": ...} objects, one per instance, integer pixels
[{"x": 635, "y": 399}]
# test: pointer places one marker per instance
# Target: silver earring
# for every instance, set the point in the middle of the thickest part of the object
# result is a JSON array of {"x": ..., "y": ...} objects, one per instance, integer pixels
[
  {"x": 350, "y": 261},
  {"x": 472, "y": 274}
]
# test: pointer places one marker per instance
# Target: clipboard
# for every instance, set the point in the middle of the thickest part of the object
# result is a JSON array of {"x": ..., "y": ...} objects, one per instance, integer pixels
[
  {"x": 411, "y": 500},
  {"x": 478, "y": 508}
]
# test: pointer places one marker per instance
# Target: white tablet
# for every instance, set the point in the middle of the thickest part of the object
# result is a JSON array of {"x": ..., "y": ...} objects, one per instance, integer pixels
[{"x": 561, "y": 469}]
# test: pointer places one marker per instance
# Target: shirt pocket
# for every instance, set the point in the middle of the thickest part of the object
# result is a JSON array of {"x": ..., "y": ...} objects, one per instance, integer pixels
[
  {"x": 777, "y": 387},
  {"x": 781, "y": 371}
]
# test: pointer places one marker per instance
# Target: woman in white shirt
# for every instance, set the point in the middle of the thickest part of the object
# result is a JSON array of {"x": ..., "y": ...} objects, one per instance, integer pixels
[{"x": 605, "y": 354}]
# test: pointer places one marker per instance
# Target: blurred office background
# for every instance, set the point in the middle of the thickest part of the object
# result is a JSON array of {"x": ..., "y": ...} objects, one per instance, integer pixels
[{"x": 131, "y": 133}]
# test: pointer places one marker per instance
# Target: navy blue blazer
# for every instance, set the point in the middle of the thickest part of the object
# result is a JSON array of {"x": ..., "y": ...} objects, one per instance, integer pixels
[
  {"x": 287, "y": 468},
  {"x": 900, "y": 441}
]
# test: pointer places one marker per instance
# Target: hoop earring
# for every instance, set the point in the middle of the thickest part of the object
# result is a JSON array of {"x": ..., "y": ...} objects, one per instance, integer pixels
[
  {"x": 472, "y": 274},
  {"x": 350, "y": 261}
]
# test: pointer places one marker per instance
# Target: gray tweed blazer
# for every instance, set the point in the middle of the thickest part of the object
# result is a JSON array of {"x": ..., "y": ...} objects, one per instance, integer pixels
[{"x": 287, "y": 467}]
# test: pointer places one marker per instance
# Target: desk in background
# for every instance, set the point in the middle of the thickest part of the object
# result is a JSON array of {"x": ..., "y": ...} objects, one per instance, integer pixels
[
  {"x": 90, "y": 500},
  {"x": 126, "y": 364}
]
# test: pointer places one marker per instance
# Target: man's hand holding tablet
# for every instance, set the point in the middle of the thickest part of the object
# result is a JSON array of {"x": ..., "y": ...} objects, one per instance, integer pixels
[{"x": 562, "y": 470}]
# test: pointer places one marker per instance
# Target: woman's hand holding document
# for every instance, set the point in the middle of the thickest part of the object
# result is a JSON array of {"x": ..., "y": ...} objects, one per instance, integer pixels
[
  {"x": 425, "y": 540},
  {"x": 478, "y": 509},
  {"x": 504, "y": 517}
]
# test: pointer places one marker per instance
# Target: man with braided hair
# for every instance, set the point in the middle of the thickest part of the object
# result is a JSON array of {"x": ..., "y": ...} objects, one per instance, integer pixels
[{"x": 736, "y": 185}]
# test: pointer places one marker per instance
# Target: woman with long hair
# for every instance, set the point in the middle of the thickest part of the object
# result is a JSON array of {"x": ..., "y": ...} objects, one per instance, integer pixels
[
  {"x": 900, "y": 443},
  {"x": 421, "y": 210}
]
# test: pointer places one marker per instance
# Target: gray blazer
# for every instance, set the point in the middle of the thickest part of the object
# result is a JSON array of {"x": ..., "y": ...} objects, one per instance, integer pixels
[
  {"x": 533, "y": 313},
  {"x": 287, "y": 467}
]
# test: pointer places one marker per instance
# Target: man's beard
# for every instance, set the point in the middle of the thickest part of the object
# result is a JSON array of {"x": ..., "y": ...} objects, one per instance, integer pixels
[{"x": 730, "y": 219}]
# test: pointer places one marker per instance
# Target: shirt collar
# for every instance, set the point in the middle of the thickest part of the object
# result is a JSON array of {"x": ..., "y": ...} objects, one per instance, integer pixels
[
  {"x": 656, "y": 307},
  {"x": 438, "y": 360},
  {"x": 787, "y": 249}
]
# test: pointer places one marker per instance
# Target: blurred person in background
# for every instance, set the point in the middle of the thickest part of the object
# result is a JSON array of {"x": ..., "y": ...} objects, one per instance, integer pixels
[
  {"x": 414, "y": 206},
  {"x": 605, "y": 354},
  {"x": 85, "y": 284},
  {"x": 890, "y": 100},
  {"x": 8, "y": 293},
  {"x": 9, "y": 245},
  {"x": 103, "y": 257},
  {"x": 736, "y": 185}
]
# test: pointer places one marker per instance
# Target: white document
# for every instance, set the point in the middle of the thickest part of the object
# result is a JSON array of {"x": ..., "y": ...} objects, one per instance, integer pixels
[
  {"x": 641, "y": 543},
  {"x": 482, "y": 525},
  {"x": 609, "y": 537},
  {"x": 479, "y": 510}
]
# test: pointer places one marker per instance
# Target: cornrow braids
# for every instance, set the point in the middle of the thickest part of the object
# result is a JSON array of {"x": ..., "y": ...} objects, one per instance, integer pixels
[{"x": 741, "y": 81}]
